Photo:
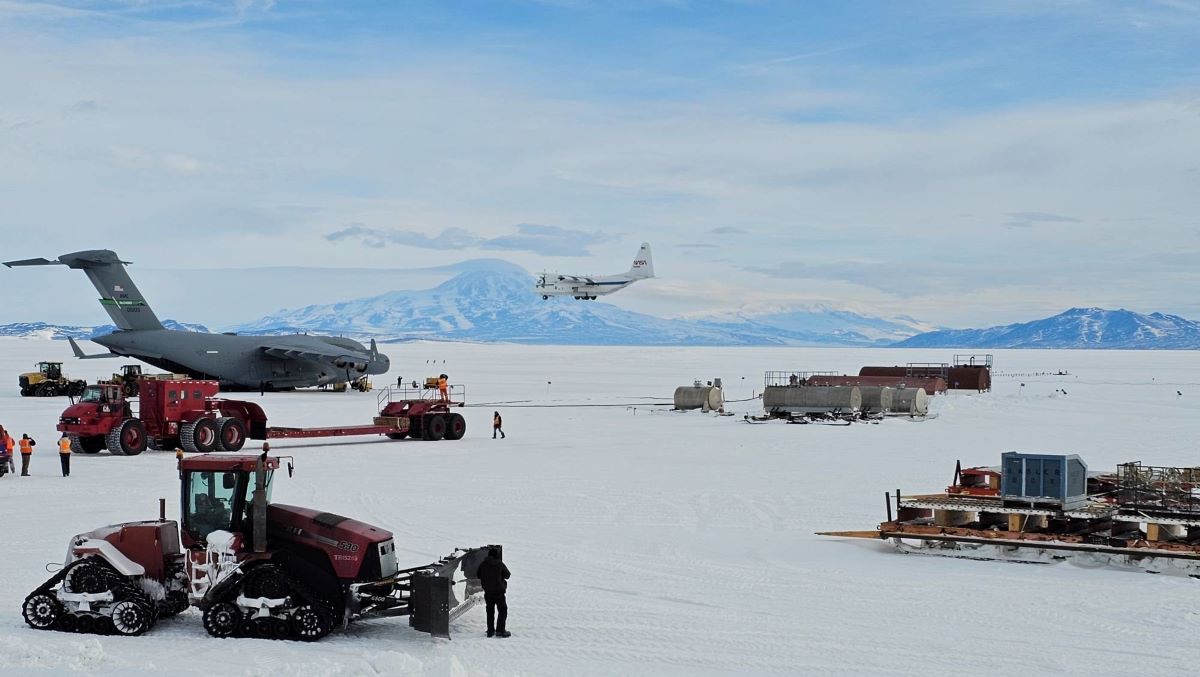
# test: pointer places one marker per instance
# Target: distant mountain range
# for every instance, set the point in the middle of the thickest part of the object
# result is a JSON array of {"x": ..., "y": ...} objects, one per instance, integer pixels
[
  {"x": 61, "y": 332},
  {"x": 489, "y": 300},
  {"x": 494, "y": 301},
  {"x": 1075, "y": 328}
]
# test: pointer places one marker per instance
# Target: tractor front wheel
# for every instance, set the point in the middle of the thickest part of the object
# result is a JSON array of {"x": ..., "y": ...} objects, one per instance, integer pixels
[
  {"x": 41, "y": 611},
  {"x": 127, "y": 439},
  {"x": 222, "y": 619},
  {"x": 309, "y": 623}
]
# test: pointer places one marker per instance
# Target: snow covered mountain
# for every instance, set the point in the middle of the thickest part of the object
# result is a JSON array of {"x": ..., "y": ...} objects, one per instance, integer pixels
[
  {"x": 1075, "y": 328},
  {"x": 61, "y": 332},
  {"x": 492, "y": 300}
]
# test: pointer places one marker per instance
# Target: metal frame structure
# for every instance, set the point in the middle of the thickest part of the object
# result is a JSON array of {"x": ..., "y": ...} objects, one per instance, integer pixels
[
  {"x": 973, "y": 360},
  {"x": 785, "y": 378}
]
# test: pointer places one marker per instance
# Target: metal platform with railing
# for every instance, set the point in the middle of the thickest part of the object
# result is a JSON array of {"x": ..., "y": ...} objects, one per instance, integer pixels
[{"x": 792, "y": 378}]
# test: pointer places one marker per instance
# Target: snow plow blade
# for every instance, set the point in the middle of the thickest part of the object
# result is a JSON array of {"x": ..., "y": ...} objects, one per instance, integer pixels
[{"x": 445, "y": 590}]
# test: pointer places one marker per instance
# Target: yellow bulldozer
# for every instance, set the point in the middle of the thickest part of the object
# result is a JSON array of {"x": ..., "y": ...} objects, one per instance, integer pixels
[{"x": 48, "y": 381}]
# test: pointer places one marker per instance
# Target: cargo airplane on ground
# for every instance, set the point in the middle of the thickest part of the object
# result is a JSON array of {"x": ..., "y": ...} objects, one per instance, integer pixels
[
  {"x": 238, "y": 362},
  {"x": 587, "y": 288}
]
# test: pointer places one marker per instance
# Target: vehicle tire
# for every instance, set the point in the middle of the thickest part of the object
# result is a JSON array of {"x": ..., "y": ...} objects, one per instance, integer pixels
[
  {"x": 415, "y": 428},
  {"x": 222, "y": 619},
  {"x": 76, "y": 388},
  {"x": 456, "y": 427},
  {"x": 199, "y": 436},
  {"x": 435, "y": 427},
  {"x": 397, "y": 436},
  {"x": 231, "y": 434},
  {"x": 266, "y": 581},
  {"x": 91, "y": 444},
  {"x": 41, "y": 611},
  {"x": 126, "y": 439},
  {"x": 93, "y": 576},
  {"x": 131, "y": 617},
  {"x": 45, "y": 390},
  {"x": 309, "y": 623},
  {"x": 26, "y": 392}
]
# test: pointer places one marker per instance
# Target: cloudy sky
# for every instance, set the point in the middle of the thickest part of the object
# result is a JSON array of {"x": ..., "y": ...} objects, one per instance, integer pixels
[{"x": 963, "y": 163}]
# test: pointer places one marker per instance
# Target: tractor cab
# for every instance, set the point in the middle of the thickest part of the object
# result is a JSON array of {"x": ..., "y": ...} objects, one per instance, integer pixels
[
  {"x": 51, "y": 371},
  {"x": 219, "y": 494},
  {"x": 131, "y": 372},
  {"x": 103, "y": 394}
]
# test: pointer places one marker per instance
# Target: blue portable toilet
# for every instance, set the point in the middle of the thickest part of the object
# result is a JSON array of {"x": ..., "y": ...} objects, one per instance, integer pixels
[{"x": 1057, "y": 479}]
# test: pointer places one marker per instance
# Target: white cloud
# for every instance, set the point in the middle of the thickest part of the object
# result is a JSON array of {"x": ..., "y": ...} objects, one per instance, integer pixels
[{"x": 190, "y": 135}]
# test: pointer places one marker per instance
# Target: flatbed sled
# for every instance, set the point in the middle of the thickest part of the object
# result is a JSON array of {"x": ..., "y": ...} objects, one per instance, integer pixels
[{"x": 1143, "y": 518}]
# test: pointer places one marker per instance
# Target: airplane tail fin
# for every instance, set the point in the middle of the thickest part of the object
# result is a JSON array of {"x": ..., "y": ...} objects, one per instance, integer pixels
[
  {"x": 643, "y": 264},
  {"x": 119, "y": 296}
]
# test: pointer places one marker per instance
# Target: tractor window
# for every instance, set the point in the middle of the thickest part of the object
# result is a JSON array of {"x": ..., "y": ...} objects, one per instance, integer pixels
[
  {"x": 250, "y": 487},
  {"x": 209, "y": 501}
]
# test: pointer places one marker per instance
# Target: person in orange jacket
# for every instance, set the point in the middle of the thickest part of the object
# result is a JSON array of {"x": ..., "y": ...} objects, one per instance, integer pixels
[
  {"x": 64, "y": 455},
  {"x": 444, "y": 387},
  {"x": 7, "y": 444},
  {"x": 26, "y": 443}
]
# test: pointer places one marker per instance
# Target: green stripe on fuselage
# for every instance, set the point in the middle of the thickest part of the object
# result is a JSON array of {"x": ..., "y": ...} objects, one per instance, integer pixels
[{"x": 122, "y": 303}]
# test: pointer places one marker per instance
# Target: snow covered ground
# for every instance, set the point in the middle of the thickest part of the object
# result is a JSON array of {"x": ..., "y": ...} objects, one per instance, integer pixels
[{"x": 649, "y": 542}]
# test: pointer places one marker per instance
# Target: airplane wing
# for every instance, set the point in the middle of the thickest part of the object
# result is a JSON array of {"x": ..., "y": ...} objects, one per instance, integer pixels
[
  {"x": 339, "y": 357},
  {"x": 33, "y": 262},
  {"x": 80, "y": 354}
]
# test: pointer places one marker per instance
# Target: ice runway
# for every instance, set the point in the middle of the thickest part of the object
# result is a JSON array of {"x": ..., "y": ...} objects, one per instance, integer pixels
[{"x": 644, "y": 541}]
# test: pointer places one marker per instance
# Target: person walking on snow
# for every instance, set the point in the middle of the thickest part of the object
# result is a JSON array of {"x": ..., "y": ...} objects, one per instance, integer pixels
[
  {"x": 9, "y": 446},
  {"x": 64, "y": 455},
  {"x": 493, "y": 577},
  {"x": 496, "y": 423},
  {"x": 27, "y": 444}
]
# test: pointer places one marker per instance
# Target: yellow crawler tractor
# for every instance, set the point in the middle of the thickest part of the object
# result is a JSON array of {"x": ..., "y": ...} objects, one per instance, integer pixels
[
  {"x": 128, "y": 379},
  {"x": 48, "y": 381}
]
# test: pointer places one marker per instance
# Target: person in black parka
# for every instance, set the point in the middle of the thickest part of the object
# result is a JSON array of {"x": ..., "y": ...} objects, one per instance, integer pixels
[{"x": 493, "y": 577}]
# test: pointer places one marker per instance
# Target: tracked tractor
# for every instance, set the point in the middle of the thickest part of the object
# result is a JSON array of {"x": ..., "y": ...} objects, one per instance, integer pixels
[
  {"x": 253, "y": 568},
  {"x": 48, "y": 381},
  {"x": 128, "y": 379}
]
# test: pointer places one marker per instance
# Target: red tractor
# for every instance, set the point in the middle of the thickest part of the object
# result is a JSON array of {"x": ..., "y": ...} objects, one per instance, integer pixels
[
  {"x": 252, "y": 567},
  {"x": 189, "y": 414}
]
